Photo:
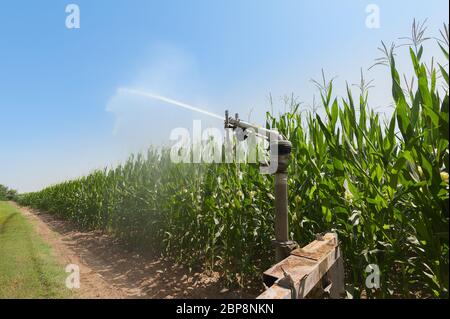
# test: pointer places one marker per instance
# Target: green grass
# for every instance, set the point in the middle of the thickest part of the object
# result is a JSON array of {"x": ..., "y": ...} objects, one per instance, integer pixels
[{"x": 27, "y": 268}]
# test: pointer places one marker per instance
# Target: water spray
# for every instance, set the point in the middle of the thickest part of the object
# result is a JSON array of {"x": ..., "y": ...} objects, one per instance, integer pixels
[
  {"x": 280, "y": 152},
  {"x": 169, "y": 101}
]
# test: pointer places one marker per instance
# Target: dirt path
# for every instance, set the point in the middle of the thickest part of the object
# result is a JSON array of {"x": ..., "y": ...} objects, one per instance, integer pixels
[{"x": 109, "y": 270}]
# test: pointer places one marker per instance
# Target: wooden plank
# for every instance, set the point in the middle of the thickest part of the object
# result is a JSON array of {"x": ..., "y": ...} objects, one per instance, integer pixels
[
  {"x": 336, "y": 276},
  {"x": 316, "y": 253},
  {"x": 319, "y": 270},
  {"x": 276, "y": 292},
  {"x": 306, "y": 267},
  {"x": 294, "y": 265}
]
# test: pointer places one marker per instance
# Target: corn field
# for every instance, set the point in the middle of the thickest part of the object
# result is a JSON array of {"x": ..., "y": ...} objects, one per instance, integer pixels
[{"x": 381, "y": 185}]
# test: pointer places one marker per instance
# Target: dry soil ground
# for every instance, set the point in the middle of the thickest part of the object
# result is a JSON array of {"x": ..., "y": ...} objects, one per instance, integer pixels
[{"x": 109, "y": 270}]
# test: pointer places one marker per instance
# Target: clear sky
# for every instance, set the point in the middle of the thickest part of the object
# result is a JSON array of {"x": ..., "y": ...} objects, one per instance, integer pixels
[{"x": 61, "y": 114}]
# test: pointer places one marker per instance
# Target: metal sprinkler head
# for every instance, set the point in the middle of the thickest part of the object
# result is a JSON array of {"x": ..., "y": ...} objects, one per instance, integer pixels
[{"x": 280, "y": 152}]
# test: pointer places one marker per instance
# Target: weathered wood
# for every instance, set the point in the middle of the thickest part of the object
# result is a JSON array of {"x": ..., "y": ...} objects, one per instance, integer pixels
[
  {"x": 336, "y": 276},
  {"x": 297, "y": 275},
  {"x": 276, "y": 292},
  {"x": 322, "y": 266}
]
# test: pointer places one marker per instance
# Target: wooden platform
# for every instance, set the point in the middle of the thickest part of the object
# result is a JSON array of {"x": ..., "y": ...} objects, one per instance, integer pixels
[{"x": 318, "y": 265}]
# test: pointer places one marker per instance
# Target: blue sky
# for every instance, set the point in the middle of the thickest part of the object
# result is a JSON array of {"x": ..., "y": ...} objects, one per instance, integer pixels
[{"x": 61, "y": 115}]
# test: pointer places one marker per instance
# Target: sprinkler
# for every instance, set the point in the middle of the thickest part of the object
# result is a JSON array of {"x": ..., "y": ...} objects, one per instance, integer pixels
[{"x": 280, "y": 152}]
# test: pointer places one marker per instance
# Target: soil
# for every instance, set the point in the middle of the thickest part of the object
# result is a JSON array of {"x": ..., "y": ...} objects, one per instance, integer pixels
[{"x": 109, "y": 270}]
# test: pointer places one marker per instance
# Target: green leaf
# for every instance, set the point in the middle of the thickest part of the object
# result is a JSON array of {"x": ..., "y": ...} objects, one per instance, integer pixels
[{"x": 338, "y": 165}]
